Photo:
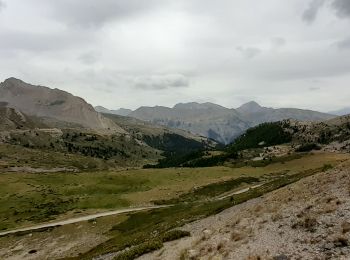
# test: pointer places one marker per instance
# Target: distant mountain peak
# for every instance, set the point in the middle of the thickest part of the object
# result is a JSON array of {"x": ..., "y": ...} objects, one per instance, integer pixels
[
  {"x": 12, "y": 83},
  {"x": 50, "y": 103},
  {"x": 12, "y": 79},
  {"x": 196, "y": 105},
  {"x": 250, "y": 107},
  {"x": 341, "y": 112},
  {"x": 120, "y": 111}
]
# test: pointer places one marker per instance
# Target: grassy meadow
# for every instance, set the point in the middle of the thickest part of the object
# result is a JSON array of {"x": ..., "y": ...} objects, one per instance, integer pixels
[{"x": 28, "y": 198}]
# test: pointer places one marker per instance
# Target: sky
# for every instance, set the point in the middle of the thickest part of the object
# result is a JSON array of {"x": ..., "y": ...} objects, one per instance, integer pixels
[{"x": 131, "y": 53}]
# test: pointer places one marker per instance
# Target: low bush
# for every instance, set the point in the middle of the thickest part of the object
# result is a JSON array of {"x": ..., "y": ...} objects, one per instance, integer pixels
[
  {"x": 308, "y": 147},
  {"x": 174, "y": 235},
  {"x": 326, "y": 167},
  {"x": 139, "y": 250}
]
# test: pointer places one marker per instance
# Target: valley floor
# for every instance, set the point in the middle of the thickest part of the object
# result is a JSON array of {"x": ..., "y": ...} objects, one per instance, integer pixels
[
  {"x": 304, "y": 219},
  {"x": 309, "y": 219}
]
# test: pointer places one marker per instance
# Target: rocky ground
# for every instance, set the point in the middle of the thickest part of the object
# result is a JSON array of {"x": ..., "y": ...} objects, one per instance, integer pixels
[{"x": 309, "y": 219}]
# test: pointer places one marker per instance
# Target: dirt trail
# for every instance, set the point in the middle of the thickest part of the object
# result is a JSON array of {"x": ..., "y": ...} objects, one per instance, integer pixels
[
  {"x": 79, "y": 219},
  {"x": 108, "y": 213},
  {"x": 239, "y": 191}
]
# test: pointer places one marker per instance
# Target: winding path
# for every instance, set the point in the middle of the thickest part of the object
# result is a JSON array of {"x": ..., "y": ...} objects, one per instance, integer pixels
[
  {"x": 108, "y": 213},
  {"x": 79, "y": 219}
]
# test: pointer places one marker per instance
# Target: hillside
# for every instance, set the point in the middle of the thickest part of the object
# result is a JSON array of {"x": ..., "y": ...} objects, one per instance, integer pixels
[
  {"x": 305, "y": 220},
  {"x": 11, "y": 119},
  {"x": 55, "y": 104},
  {"x": 271, "y": 142},
  {"x": 257, "y": 114},
  {"x": 120, "y": 111},
  {"x": 161, "y": 137},
  {"x": 220, "y": 123},
  {"x": 341, "y": 112},
  {"x": 50, "y": 121},
  {"x": 246, "y": 183}
]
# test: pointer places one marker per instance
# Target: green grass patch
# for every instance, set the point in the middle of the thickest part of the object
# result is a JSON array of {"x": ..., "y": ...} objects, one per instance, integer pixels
[
  {"x": 267, "y": 161},
  {"x": 210, "y": 191}
]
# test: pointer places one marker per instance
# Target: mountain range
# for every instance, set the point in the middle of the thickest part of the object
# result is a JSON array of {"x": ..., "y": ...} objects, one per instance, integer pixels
[
  {"x": 341, "y": 112},
  {"x": 217, "y": 122},
  {"x": 57, "y": 108},
  {"x": 42, "y": 119}
]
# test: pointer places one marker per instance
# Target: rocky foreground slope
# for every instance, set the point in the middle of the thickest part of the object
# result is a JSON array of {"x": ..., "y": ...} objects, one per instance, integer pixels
[{"x": 309, "y": 219}]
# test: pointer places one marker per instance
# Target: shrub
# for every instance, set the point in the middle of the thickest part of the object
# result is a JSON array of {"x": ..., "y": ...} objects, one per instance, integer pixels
[
  {"x": 139, "y": 250},
  {"x": 174, "y": 235},
  {"x": 308, "y": 147},
  {"x": 327, "y": 167}
]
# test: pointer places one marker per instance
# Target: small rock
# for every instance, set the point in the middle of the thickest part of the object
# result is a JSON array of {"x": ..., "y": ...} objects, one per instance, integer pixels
[
  {"x": 341, "y": 242},
  {"x": 346, "y": 227},
  {"x": 207, "y": 233},
  {"x": 327, "y": 247},
  {"x": 281, "y": 257},
  {"x": 192, "y": 253}
]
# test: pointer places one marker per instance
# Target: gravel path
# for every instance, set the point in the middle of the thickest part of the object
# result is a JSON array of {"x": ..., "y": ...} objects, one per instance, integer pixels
[{"x": 79, "y": 219}]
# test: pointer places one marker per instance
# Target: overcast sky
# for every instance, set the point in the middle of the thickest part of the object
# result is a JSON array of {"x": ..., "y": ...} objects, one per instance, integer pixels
[{"x": 128, "y": 53}]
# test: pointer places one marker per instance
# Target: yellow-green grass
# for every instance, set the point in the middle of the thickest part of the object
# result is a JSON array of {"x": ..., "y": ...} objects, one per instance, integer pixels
[
  {"x": 45, "y": 159},
  {"x": 32, "y": 198},
  {"x": 19, "y": 156},
  {"x": 143, "y": 228},
  {"x": 171, "y": 182}
]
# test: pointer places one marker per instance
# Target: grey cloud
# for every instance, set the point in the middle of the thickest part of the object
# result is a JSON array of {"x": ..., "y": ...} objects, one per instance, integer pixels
[
  {"x": 344, "y": 44},
  {"x": 39, "y": 42},
  {"x": 314, "y": 88},
  {"x": 278, "y": 42},
  {"x": 151, "y": 45},
  {"x": 342, "y": 8},
  {"x": 89, "y": 58},
  {"x": 2, "y": 5},
  {"x": 159, "y": 82},
  {"x": 249, "y": 52},
  {"x": 92, "y": 13},
  {"x": 310, "y": 14}
]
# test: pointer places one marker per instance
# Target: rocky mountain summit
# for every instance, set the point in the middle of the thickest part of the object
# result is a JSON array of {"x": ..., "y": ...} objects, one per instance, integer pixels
[
  {"x": 53, "y": 104},
  {"x": 220, "y": 123},
  {"x": 119, "y": 112}
]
